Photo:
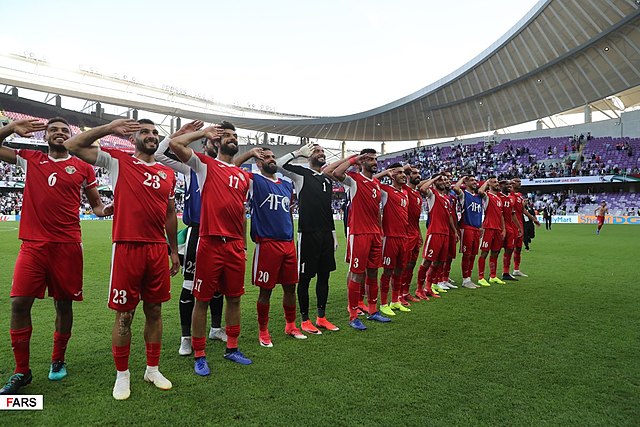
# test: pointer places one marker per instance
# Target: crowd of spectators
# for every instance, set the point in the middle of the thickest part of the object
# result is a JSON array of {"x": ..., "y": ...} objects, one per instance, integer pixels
[{"x": 560, "y": 160}]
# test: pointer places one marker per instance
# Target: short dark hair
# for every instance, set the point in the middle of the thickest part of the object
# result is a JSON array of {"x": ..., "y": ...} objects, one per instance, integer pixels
[
  {"x": 491, "y": 177},
  {"x": 146, "y": 122},
  {"x": 368, "y": 151},
  {"x": 394, "y": 165},
  {"x": 226, "y": 125},
  {"x": 58, "y": 119}
]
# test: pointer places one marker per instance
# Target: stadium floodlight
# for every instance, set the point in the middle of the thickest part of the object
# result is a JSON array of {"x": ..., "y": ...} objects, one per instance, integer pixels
[{"x": 617, "y": 102}]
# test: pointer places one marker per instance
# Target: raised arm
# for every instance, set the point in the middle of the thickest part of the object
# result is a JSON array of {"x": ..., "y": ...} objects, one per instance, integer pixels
[
  {"x": 179, "y": 144},
  {"x": 338, "y": 169},
  {"x": 304, "y": 151},
  {"x": 23, "y": 128},
  {"x": 458, "y": 187},
  {"x": 424, "y": 186},
  {"x": 482, "y": 191},
  {"x": 82, "y": 144},
  {"x": 193, "y": 126},
  {"x": 247, "y": 155}
]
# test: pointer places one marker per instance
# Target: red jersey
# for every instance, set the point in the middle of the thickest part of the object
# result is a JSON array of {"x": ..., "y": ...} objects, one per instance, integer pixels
[
  {"x": 51, "y": 201},
  {"x": 439, "y": 213},
  {"x": 224, "y": 189},
  {"x": 141, "y": 193},
  {"x": 395, "y": 214},
  {"x": 364, "y": 211},
  {"x": 508, "y": 203},
  {"x": 414, "y": 211},
  {"x": 492, "y": 211},
  {"x": 518, "y": 207}
]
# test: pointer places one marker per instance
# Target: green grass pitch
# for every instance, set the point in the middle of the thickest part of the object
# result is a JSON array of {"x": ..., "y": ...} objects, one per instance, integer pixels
[{"x": 561, "y": 347}]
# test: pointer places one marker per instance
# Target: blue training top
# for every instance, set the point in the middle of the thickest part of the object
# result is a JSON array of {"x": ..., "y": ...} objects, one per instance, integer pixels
[{"x": 270, "y": 209}]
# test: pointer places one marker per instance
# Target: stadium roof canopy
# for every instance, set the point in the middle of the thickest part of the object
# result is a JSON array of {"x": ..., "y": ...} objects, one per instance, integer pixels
[{"x": 562, "y": 56}]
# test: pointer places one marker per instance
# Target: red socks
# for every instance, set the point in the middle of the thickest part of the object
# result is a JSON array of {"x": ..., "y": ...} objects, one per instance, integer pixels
[
  {"x": 233, "y": 332},
  {"x": 467, "y": 265},
  {"x": 406, "y": 282},
  {"x": 372, "y": 294},
  {"x": 493, "y": 265},
  {"x": 446, "y": 270},
  {"x": 384, "y": 289},
  {"x": 353, "y": 293},
  {"x": 517, "y": 256},
  {"x": 153, "y": 353},
  {"x": 289, "y": 313},
  {"x": 481, "y": 262},
  {"x": 60, "y": 342},
  {"x": 396, "y": 286},
  {"x": 506, "y": 262},
  {"x": 20, "y": 339},
  {"x": 422, "y": 276},
  {"x": 198, "y": 344},
  {"x": 263, "y": 316},
  {"x": 121, "y": 356}
]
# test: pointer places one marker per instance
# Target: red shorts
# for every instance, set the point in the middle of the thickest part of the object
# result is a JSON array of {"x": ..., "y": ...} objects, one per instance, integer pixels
[
  {"x": 394, "y": 252},
  {"x": 365, "y": 251},
  {"x": 510, "y": 239},
  {"x": 139, "y": 271},
  {"x": 452, "y": 246},
  {"x": 470, "y": 241},
  {"x": 52, "y": 265},
  {"x": 220, "y": 267},
  {"x": 413, "y": 248},
  {"x": 491, "y": 240},
  {"x": 274, "y": 262},
  {"x": 436, "y": 247},
  {"x": 600, "y": 219}
]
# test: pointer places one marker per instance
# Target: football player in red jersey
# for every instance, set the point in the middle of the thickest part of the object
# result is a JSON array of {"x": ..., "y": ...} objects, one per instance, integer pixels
[
  {"x": 365, "y": 233},
  {"x": 512, "y": 226},
  {"x": 144, "y": 209},
  {"x": 221, "y": 253},
  {"x": 415, "y": 241},
  {"x": 395, "y": 221},
  {"x": 493, "y": 230},
  {"x": 436, "y": 245},
  {"x": 51, "y": 252},
  {"x": 520, "y": 211}
]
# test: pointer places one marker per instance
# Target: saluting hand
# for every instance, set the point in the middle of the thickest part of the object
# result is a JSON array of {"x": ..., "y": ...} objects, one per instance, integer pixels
[
  {"x": 124, "y": 127},
  {"x": 194, "y": 126},
  {"x": 25, "y": 128},
  {"x": 305, "y": 151}
]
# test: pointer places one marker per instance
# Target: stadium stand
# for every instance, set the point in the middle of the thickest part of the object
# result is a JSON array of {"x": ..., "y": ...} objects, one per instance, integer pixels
[
  {"x": 543, "y": 157},
  {"x": 109, "y": 141}
]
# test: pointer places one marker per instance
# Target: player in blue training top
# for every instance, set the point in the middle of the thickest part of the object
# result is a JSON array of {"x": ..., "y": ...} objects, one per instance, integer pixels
[
  {"x": 274, "y": 259},
  {"x": 470, "y": 224}
]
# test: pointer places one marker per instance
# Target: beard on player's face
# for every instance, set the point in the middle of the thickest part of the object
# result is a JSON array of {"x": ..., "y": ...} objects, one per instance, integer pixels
[
  {"x": 147, "y": 145},
  {"x": 269, "y": 167},
  {"x": 318, "y": 161},
  {"x": 56, "y": 141},
  {"x": 229, "y": 148}
]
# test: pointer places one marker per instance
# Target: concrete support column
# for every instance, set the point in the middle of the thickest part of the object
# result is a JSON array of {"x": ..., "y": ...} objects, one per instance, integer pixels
[{"x": 587, "y": 113}]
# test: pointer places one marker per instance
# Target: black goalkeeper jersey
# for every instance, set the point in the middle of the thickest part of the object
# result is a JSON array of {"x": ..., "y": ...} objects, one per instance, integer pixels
[{"x": 315, "y": 192}]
